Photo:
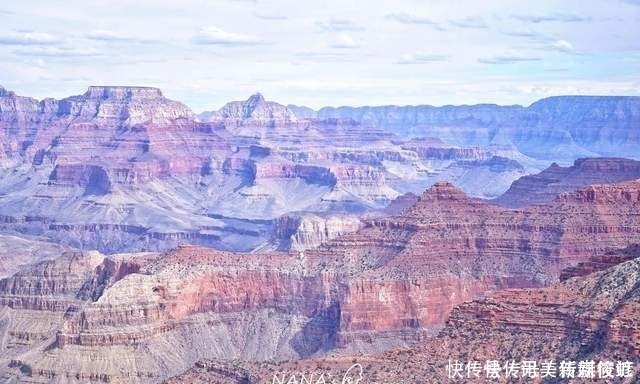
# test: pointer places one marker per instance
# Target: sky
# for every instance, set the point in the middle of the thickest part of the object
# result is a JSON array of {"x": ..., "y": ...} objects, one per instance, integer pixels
[{"x": 324, "y": 53}]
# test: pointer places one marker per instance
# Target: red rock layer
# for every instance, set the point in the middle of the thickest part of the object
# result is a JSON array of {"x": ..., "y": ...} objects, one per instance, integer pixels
[
  {"x": 404, "y": 273},
  {"x": 591, "y": 317},
  {"x": 447, "y": 249},
  {"x": 395, "y": 280},
  {"x": 546, "y": 185}
]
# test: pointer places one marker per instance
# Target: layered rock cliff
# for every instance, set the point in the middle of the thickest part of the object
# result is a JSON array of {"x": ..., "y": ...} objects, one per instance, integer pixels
[
  {"x": 392, "y": 283},
  {"x": 586, "y": 318},
  {"x": 149, "y": 175},
  {"x": 300, "y": 232},
  {"x": 546, "y": 185}
]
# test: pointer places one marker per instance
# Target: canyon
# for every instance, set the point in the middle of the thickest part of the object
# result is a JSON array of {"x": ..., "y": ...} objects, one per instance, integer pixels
[
  {"x": 142, "y": 242},
  {"x": 396, "y": 281},
  {"x": 587, "y": 317},
  {"x": 125, "y": 169}
]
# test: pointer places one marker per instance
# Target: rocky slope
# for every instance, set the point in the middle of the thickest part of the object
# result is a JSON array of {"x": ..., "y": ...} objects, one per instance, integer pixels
[
  {"x": 392, "y": 283},
  {"x": 18, "y": 251},
  {"x": 591, "y": 317},
  {"x": 546, "y": 185}
]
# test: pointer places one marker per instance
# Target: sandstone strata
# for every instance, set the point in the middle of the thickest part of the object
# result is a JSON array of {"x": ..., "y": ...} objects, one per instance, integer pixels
[
  {"x": 390, "y": 284},
  {"x": 546, "y": 185},
  {"x": 591, "y": 317},
  {"x": 150, "y": 175}
]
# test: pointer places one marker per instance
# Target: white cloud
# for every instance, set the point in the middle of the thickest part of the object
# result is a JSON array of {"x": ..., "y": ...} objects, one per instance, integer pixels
[
  {"x": 563, "y": 45},
  {"x": 344, "y": 41},
  {"x": 339, "y": 25},
  {"x": 270, "y": 16},
  {"x": 60, "y": 52},
  {"x": 421, "y": 58},
  {"x": 217, "y": 36},
  {"x": 29, "y": 38},
  {"x": 507, "y": 59},
  {"x": 552, "y": 17},
  {"x": 469, "y": 22},
  {"x": 106, "y": 35}
]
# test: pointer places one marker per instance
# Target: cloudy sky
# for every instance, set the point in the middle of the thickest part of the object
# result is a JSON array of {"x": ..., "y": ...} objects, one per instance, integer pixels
[{"x": 319, "y": 53}]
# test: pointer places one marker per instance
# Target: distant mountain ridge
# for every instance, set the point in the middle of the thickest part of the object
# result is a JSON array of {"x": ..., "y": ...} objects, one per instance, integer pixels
[{"x": 552, "y": 127}]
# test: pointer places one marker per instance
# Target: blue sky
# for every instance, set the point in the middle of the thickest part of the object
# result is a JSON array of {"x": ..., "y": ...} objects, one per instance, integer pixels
[{"x": 319, "y": 53}]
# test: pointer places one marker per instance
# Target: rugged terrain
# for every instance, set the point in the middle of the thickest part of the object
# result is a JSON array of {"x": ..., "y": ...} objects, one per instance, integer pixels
[
  {"x": 126, "y": 169},
  {"x": 390, "y": 284},
  {"x": 590, "y": 317},
  {"x": 353, "y": 232}
]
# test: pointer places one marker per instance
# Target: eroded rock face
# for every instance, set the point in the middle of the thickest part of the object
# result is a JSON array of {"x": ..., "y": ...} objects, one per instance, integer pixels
[
  {"x": 436, "y": 149},
  {"x": 151, "y": 176},
  {"x": 392, "y": 283},
  {"x": 546, "y": 185},
  {"x": 453, "y": 248},
  {"x": 300, "y": 232},
  {"x": 590, "y": 317}
]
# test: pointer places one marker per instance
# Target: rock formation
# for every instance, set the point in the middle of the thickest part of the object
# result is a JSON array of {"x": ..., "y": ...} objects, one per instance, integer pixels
[
  {"x": 544, "y": 186},
  {"x": 151, "y": 176},
  {"x": 591, "y": 317},
  {"x": 126, "y": 169},
  {"x": 254, "y": 108},
  {"x": 392, "y": 283},
  {"x": 300, "y": 232}
]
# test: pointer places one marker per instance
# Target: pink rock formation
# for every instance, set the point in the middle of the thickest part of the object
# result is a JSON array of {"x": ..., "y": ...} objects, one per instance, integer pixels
[
  {"x": 591, "y": 317},
  {"x": 254, "y": 108},
  {"x": 394, "y": 282},
  {"x": 546, "y": 185}
]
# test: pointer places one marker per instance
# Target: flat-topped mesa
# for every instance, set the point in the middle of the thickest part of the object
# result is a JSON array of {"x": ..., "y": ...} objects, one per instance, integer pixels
[
  {"x": 607, "y": 164},
  {"x": 124, "y": 105},
  {"x": 122, "y": 92},
  {"x": 555, "y": 180},
  {"x": 254, "y": 108}
]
